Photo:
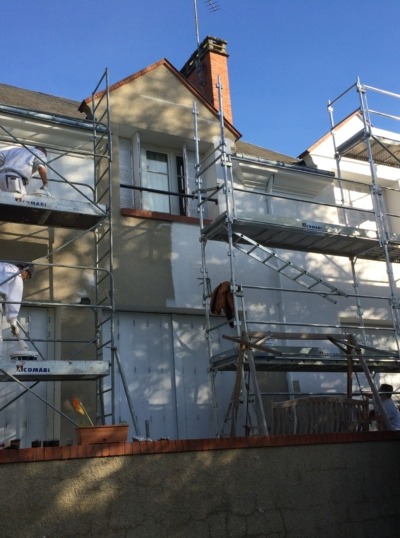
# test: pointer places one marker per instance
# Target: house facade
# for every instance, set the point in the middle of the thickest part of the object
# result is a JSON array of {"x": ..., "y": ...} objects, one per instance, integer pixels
[{"x": 156, "y": 202}]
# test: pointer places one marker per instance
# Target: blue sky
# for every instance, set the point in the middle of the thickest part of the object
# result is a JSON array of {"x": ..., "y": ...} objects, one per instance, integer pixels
[{"x": 287, "y": 57}]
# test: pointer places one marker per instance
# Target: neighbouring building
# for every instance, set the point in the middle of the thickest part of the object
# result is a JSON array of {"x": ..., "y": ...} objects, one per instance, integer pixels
[{"x": 156, "y": 202}]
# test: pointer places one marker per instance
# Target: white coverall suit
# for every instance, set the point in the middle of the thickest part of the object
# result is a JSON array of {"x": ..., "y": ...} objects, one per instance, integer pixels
[
  {"x": 17, "y": 165},
  {"x": 11, "y": 289}
]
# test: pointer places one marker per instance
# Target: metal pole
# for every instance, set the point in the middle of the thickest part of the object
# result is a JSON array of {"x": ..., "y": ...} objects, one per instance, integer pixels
[
  {"x": 127, "y": 393},
  {"x": 337, "y": 159},
  {"x": 371, "y": 383}
]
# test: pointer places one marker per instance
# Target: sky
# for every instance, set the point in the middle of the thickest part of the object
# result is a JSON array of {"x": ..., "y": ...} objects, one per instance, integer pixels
[{"x": 287, "y": 58}]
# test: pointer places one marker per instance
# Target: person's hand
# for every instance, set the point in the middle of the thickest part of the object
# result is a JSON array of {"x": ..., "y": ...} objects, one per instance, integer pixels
[{"x": 14, "y": 329}]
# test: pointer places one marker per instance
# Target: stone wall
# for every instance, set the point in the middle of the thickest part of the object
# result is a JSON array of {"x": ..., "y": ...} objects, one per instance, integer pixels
[{"x": 332, "y": 485}]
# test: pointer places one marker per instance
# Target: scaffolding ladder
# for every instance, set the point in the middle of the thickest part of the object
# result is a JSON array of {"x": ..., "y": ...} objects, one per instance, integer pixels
[
  {"x": 290, "y": 270},
  {"x": 102, "y": 149}
]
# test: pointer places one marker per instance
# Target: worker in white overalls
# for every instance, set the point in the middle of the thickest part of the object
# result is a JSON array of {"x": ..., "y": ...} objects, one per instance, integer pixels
[
  {"x": 17, "y": 166},
  {"x": 12, "y": 279}
]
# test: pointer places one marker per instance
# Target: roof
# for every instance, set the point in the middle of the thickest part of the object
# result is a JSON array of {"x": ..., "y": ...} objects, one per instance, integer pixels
[
  {"x": 182, "y": 79},
  {"x": 250, "y": 150},
  {"x": 41, "y": 102}
]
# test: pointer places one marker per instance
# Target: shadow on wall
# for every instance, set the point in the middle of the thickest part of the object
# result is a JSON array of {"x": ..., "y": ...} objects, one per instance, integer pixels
[
  {"x": 142, "y": 264},
  {"x": 237, "y": 492}
]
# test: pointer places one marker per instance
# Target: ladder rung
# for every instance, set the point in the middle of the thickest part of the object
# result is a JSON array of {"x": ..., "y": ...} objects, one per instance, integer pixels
[
  {"x": 296, "y": 272},
  {"x": 295, "y": 278},
  {"x": 252, "y": 249},
  {"x": 315, "y": 284},
  {"x": 280, "y": 269},
  {"x": 265, "y": 260}
]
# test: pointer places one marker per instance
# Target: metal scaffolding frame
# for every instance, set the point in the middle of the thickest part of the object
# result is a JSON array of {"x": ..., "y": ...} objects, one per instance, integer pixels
[
  {"x": 87, "y": 218},
  {"x": 258, "y": 236},
  {"x": 376, "y": 147}
]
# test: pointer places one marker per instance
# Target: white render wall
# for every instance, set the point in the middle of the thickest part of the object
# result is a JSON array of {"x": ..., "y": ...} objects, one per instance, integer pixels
[{"x": 165, "y": 354}]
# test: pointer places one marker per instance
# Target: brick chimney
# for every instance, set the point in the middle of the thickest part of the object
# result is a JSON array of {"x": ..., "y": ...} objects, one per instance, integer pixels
[{"x": 202, "y": 69}]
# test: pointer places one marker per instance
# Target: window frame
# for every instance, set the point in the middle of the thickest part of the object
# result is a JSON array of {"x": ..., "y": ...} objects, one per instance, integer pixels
[{"x": 178, "y": 178}]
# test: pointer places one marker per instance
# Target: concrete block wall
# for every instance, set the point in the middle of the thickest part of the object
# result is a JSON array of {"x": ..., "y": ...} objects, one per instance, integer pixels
[{"x": 302, "y": 486}]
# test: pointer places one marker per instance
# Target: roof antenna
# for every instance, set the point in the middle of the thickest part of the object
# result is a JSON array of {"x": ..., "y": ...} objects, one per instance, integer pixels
[
  {"x": 212, "y": 7},
  {"x": 196, "y": 21}
]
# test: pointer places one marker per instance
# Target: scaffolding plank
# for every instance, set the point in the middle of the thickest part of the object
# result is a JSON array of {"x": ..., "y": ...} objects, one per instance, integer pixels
[
  {"x": 305, "y": 236},
  {"x": 385, "y": 147},
  {"x": 47, "y": 211},
  {"x": 302, "y": 359},
  {"x": 61, "y": 370}
]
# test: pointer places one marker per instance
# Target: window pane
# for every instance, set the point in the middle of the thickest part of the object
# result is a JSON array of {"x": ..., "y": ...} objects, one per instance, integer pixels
[{"x": 156, "y": 177}]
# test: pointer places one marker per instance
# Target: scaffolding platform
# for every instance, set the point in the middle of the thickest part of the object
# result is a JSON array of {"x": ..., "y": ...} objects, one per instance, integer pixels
[
  {"x": 302, "y": 359},
  {"x": 385, "y": 147},
  {"x": 61, "y": 370},
  {"x": 303, "y": 235},
  {"x": 47, "y": 211}
]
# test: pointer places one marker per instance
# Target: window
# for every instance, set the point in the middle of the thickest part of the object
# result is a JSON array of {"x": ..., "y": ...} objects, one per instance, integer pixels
[
  {"x": 155, "y": 176},
  {"x": 156, "y": 179}
]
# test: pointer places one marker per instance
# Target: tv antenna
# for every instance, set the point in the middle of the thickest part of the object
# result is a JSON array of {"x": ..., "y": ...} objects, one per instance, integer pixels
[{"x": 212, "y": 7}]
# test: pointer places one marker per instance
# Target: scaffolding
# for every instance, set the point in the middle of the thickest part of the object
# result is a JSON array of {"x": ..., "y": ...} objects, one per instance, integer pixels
[
  {"x": 376, "y": 147},
  {"x": 72, "y": 232},
  {"x": 266, "y": 237}
]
